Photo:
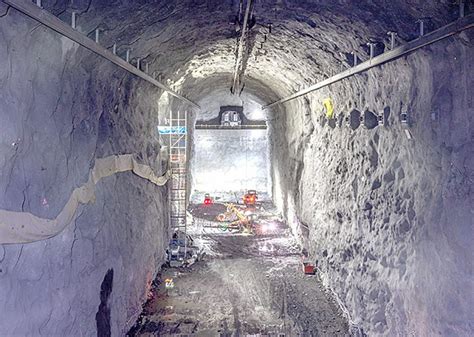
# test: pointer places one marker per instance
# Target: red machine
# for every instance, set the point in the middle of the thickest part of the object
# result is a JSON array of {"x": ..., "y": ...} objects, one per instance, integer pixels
[
  {"x": 208, "y": 200},
  {"x": 308, "y": 268},
  {"x": 250, "y": 198}
]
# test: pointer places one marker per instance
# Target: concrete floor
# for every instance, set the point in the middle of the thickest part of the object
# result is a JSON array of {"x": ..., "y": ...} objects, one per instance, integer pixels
[{"x": 244, "y": 285}]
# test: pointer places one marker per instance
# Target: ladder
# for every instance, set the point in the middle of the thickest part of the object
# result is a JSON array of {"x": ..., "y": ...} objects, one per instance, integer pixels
[{"x": 178, "y": 166}]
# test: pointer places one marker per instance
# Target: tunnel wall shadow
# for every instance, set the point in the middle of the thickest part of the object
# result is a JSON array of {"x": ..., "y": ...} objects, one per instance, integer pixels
[{"x": 103, "y": 314}]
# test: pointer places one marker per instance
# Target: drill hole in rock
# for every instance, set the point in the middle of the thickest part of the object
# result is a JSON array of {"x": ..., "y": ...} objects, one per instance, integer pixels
[
  {"x": 370, "y": 120},
  {"x": 354, "y": 119}
]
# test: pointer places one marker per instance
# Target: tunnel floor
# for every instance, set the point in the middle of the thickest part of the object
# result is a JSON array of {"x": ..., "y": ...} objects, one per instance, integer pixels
[{"x": 245, "y": 285}]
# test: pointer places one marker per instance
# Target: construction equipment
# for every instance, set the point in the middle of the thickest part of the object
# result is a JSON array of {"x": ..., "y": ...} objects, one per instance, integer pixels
[
  {"x": 250, "y": 198},
  {"x": 309, "y": 268},
  {"x": 181, "y": 250},
  {"x": 208, "y": 199},
  {"x": 238, "y": 220}
]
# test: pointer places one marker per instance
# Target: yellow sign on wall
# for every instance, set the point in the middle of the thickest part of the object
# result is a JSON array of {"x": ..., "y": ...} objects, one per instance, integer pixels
[
  {"x": 169, "y": 284},
  {"x": 327, "y": 102}
]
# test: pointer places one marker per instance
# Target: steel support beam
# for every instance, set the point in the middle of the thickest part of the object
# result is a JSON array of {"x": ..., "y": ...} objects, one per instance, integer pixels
[
  {"x": 30, "y": 9},
  {"x": 221, "y": 127},
  {"x": 240, "y": 50},
  {"x": 425, "y": 40}
]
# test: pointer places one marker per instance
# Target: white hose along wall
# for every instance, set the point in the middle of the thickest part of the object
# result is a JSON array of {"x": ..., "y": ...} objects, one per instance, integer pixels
[
  {"x": 70, "y": 122},
  {"x": 24, "y": 227},
  {"x": 389, "y": 219}
]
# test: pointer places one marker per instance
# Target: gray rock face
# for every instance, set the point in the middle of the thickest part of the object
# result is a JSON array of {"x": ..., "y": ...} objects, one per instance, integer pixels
[
  {"x": 62, "y": 108},
  {"x": 389, "y": 219}
]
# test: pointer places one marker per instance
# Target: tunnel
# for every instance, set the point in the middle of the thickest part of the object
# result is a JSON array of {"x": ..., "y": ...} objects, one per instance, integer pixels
[{"x": 129, "y": 125}]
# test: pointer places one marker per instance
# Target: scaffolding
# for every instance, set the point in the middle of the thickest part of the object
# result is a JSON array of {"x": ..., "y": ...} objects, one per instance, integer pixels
[
  {"x": 178, "y": 166},
  {"x": 176, "y": 131}
]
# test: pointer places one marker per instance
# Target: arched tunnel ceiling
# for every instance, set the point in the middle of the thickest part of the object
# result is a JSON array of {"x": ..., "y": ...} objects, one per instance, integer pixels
[
  {"x": 193, "y": 44},
  {"x": 380, "y": 209}
]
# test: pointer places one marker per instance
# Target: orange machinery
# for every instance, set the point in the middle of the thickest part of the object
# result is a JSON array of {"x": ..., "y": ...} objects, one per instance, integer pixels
[{"x": 250, "y": 198}]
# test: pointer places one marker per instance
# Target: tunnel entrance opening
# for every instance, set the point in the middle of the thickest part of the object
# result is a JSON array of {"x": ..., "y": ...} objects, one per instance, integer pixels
[
  {"x": 230, "y": 149},
  {"x": 230, "y": 162}
]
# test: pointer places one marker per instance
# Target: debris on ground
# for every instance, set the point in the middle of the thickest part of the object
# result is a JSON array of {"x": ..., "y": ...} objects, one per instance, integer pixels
[{"x": 243, "y": 285}]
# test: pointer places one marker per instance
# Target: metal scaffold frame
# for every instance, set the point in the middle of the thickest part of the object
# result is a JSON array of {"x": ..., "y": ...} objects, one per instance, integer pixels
[{"x": 178, "y": 167}]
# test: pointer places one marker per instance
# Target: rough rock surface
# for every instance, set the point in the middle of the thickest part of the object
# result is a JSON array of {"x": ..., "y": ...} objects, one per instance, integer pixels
[
  {"x": 388, "y": 217},
  {"x": 62, "y": 108},
  {"x": 253, "y": 287}
]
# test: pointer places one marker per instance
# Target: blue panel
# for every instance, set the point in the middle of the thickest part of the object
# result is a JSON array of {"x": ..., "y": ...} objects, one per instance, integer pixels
[{"x": 173, "y": 130}]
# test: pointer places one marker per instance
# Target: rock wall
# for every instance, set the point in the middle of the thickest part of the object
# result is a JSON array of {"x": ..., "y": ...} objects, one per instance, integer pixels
[
  {"x": 62, "y": 108},
  {"x": 388, "y": 218}
]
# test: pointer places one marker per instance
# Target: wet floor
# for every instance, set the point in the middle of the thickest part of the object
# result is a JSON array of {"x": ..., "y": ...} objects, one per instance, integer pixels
[{"x": 245, "y": 285}]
